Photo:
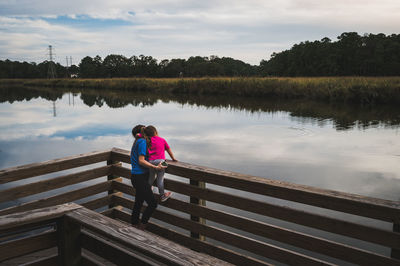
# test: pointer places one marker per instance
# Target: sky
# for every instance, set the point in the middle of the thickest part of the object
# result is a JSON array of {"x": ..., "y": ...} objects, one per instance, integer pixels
[{"x": 248, "y": 30}]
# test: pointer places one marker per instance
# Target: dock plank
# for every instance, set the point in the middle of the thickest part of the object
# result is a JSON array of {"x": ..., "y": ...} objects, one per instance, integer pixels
[
  {"x": 15, "y": 220},
  {"x": 142, "y": 241}
]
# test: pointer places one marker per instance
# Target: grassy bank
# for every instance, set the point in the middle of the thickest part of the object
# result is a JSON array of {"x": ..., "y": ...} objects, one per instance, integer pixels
[{"x": 365, "y": 90}]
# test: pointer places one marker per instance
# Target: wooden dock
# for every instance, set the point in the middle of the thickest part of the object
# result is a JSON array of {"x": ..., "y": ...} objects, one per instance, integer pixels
[{"x": 184, "y": 230}]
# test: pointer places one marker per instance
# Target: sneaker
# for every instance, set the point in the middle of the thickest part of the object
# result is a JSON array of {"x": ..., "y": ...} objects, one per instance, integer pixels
[
  {"x": 140, "y": 226},
  {"x": 165, "y": 196}
]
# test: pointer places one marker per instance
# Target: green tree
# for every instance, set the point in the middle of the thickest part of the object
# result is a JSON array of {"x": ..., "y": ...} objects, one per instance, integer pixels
[{"x": 91, "y": 67}]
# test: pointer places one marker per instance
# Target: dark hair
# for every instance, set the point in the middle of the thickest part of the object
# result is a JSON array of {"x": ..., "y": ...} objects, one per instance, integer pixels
[
  {"x": 149, "y": 131},
  {"x": 135, "y": 130}
]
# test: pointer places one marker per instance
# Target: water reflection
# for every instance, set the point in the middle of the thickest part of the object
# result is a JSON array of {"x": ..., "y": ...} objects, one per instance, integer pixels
[
  {"x": 343, "y": 116},
  {"x": 337, "y": 147},
  {"x": 340, "y": 147}
]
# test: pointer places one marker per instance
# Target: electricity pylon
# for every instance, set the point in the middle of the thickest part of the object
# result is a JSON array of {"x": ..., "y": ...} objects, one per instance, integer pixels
[{"x": 51, "y": 73}]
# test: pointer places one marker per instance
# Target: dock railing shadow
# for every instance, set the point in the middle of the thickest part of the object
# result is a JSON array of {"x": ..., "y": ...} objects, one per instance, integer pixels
[{"x": 237, "y": 218}]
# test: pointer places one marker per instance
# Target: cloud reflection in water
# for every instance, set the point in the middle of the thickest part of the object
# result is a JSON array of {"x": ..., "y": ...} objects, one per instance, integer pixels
[{"x": 269, "y": 144}]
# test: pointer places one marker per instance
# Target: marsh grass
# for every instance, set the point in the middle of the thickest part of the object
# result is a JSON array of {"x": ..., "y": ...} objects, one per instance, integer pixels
[{"x": 365, "y": 90}]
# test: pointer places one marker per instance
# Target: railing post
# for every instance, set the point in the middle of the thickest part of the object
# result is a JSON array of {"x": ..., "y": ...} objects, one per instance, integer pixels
[
  {"x": 69, "y": 244},
  {"x": 200, "y": 202},
  {"x": 396, "y": 252},
  {"x": 111, "y": 177}
]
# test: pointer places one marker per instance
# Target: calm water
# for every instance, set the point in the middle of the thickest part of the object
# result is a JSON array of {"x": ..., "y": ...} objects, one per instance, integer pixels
[
  {"x": 335, "y": 147},
  {"x": 338, "y": 147}
]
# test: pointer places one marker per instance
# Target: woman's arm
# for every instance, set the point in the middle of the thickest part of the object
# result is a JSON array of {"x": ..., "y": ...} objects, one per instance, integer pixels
[
  {"x": 146, "y": 164},
  {"x": 171, "y": 155}
]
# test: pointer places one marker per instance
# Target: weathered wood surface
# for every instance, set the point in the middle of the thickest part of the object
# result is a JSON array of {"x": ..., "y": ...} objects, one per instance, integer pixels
[
  {"x": 35, "y": 169},
  {"x": 49, "y": 258},
  {"x": 197, "y": 201},
  {"x": 114, "y": 253},
  {"x": 385, "y": 210},
  {"x": 141, "y": 241},
  {"x": 99, "y": 202},
  {"x": 45, "y": 261},
  {"x": 14, "y": 220},
  {"x": 233, "y": 239},
  {"x": 60, "y": 198},
  {"x": 69, "y": 246},
  {"x": 362, "y": 232},
  {"x": 88, "y": 260},
  {"x": 395, "y": 253},
  {"x": 304, "y": 241},
  {"x": 257, "y": 247},
  {"x": 112, "y": 176},
  {"x": 29, "y": 244},
  {"x": 120, "y": 155},
  {"x": 195, "y": 244},
  {"x": 53, "y": 183}
]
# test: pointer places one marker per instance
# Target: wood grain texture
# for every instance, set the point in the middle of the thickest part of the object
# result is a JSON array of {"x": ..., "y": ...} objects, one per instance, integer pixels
[
  {"x": 68, "y": 242},
  {"x": 362, "y": 232},
  {"x": 60, "y": 198},
  {"x": 141, "y": 241},
  {"x": 26, "y": 245},
  {"x": 14, "y": 220},
  {"x": 304, "y": 241},
  {"x": 53, "y": 183},
  {"x": 246, "y": 243},
  {"x": 395, "y": 252},
  {"x": 100, "y": 202},
  {"x": 46, "y": 261},
  {"x": 350, "y": 229},
  {"x": 385, "y": 210},
  {"x": 195, "y": 244},
  {"x": 114, "y": 253},
  {"x": 35, "y": 169}
]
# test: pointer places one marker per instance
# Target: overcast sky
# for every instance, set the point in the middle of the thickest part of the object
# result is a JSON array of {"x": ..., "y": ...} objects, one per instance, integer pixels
[{"x": 249, "y": 30}]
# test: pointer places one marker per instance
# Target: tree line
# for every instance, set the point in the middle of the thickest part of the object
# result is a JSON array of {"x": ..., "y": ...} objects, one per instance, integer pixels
[{"x": 350, "y": 55}]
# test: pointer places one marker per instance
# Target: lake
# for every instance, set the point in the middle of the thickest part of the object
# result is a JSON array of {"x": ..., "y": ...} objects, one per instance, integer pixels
[{"x": 340, "y": 147}]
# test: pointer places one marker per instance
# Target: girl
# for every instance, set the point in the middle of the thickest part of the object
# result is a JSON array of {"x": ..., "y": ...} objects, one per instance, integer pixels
[
  {"x": 139, "y": 179},
  {"x": 157, "y": 148}
]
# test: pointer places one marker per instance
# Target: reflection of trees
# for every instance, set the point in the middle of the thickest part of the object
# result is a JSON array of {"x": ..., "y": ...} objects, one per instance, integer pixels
[
  {"x": 11, "y": 94},
  {"x": 91, "y": 100},
  {"x": 343, "y": 116}
]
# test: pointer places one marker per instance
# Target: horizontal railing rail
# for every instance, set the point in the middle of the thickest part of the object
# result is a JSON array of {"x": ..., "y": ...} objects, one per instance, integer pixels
[
  {"x": 375, "y": 208},
  {"x": 77, "y": 185},
  {"x": 56, "y": 165},
  {"x": 222, "y": 228},
  {"x": 379, "y": 209},
  {"x": 79, "y": 228}
]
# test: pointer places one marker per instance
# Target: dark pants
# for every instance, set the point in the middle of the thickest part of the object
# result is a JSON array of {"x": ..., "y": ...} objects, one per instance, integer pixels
[{"x": 143, "y": 193}]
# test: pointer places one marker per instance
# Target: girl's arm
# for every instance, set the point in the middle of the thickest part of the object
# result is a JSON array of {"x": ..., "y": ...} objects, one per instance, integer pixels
[
  {"x": 146, "y": 164},
  {"x": 171, "y": 155}
]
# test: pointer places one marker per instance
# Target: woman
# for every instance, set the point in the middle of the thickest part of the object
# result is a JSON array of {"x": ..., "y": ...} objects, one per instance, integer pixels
[{"x": 139, "y": 179}]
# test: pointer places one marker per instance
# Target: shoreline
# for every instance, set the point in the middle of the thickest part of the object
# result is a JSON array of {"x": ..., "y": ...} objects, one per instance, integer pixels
[{"x": 359, "y": 90}]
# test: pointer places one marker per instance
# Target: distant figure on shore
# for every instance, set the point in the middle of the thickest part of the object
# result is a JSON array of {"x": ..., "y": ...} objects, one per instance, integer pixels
[
  {"x": 157, "y": 147},
  {"x": 140, "y": 178}
]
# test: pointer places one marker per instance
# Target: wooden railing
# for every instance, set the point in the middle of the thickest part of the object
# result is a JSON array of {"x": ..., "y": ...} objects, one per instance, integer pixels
[
  {"x": 291, "y": 224},
  {"x": 78, "y": 228}
]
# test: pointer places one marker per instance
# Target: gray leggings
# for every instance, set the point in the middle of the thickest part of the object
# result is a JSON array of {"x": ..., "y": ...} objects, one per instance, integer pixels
[{"x": 159, "y": 174}]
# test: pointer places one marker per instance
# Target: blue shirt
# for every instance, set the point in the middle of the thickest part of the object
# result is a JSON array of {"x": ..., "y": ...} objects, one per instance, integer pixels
[{"x": 140, "y": 148}]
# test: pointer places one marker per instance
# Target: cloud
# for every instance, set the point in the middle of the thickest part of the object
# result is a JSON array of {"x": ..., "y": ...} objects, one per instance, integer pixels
[{"x": 247, "y": 30}]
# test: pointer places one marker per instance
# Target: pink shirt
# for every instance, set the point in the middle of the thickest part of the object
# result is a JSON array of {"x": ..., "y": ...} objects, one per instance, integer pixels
[{"x": 158, "y": 148}]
